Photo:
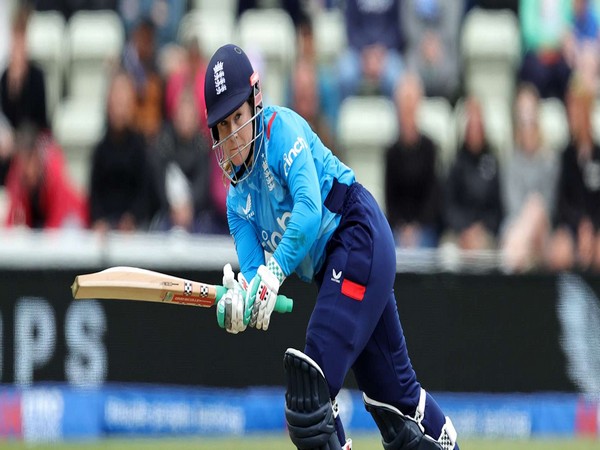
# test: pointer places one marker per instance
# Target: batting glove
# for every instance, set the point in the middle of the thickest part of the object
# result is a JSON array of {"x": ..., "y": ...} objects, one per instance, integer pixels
[
  {"x": 262, "y": 294},
  {"x": 231, "y": 307}
]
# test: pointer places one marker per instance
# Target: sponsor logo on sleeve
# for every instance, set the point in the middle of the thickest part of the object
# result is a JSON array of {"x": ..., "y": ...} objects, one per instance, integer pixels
[
  {"x": 290, "y": 156},
  {"x": 270, "y": 241}
]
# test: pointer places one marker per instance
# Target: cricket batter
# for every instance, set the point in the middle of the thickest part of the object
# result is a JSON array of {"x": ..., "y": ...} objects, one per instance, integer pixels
[{"x": 292, "y": 198}]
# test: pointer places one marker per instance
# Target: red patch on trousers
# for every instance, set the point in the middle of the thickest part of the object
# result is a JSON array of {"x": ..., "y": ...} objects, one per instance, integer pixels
[
  {"x": 11, "y": 425},
  {"x": 586, "y": 418},
  {"x": 353, "y": 290}
]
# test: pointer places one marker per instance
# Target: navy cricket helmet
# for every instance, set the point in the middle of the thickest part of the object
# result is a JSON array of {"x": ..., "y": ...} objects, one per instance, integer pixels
[{"x": 230, "y": 81}]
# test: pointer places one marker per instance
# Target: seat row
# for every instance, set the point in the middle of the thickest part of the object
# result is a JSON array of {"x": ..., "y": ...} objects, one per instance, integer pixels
[{"x": 368, "y": 125}]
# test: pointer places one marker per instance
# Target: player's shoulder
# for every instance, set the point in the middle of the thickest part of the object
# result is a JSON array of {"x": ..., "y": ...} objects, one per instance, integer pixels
[
  {"x": 281, "y": 122},
  {"x": 282, "y": 111}
]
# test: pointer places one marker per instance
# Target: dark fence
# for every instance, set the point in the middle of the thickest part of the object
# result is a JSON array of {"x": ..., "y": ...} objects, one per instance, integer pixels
[{"x": 468, "y": 333}]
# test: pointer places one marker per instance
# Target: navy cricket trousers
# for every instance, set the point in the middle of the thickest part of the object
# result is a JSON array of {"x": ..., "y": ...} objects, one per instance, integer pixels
[{"x": 355, "y": 323}]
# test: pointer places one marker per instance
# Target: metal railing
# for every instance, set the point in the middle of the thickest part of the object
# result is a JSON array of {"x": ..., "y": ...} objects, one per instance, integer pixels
[{"x": 71, "y": 248}]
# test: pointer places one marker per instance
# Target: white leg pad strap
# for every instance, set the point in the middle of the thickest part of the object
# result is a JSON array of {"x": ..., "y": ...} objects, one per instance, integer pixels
[
  {"x": 398, "y": 431},
  {"x": 448, "y": 436},
  {"x": 420, "y": 412}
]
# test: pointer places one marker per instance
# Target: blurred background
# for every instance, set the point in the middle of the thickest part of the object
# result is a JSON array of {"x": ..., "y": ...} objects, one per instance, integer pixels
[{"x": 474, "y": 123}]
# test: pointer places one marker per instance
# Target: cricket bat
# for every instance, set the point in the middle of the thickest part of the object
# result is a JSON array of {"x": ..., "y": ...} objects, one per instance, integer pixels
[{"x": 132, "y": 283}]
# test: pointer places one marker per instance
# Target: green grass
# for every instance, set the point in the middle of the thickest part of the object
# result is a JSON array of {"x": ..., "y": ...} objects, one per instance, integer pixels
[{"x": 281, "y": 442}]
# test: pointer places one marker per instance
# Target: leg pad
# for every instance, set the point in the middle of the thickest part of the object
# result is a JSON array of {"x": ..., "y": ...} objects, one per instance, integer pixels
[
  {"x": 308, "y": 408},
  {"x": 398, "y": 432}
]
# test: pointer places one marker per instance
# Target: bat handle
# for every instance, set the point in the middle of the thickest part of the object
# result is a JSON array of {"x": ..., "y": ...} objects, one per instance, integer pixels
[{"x": 282, "y": 305}]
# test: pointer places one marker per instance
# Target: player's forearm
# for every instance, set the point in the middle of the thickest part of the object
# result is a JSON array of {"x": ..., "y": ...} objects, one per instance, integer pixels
[
  {"x": 250, "y": 252},
  {"x": 300, "y": 234}
]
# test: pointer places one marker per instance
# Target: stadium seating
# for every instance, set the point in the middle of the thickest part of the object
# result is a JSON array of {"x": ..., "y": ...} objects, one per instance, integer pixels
[
  {"x": 497, "y": 121},
  {"x": 80, "y": 51},
  {"x": 366, "y": 126},
  {"x": 45, "y": 44},
  {"x": 95, "y": 41},
  {"x": 436, "y": 120},
  {"x": 491, "y": 51},
  {"x": 222, "y": 6},
  {"x": 271, "y": 34},
  {"x": 330, "y": 35},
  {"x": 212, "y": 28},
  {"x": 168, "y": 58},
  {"x": 78, "y": 125}
]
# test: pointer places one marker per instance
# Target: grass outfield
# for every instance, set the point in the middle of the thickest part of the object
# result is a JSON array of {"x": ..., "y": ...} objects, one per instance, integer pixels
[{"x": 282, "y": 442}]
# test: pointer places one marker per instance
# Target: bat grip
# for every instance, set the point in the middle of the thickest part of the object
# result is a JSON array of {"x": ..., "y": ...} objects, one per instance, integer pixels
[{"x": 282, "y": 305}]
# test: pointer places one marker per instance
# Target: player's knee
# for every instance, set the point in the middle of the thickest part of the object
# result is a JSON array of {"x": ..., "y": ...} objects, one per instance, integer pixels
[
  {"x": 308, "y": 409},
  {"x": 400, "y": 432}
]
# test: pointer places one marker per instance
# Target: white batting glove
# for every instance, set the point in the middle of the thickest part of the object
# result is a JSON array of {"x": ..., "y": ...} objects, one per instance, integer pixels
[
  {"x": 232, "y": 306},
  {"x": 262, "y": 294},
  {"x": 228, "y": 277},
  {"x": 242, "y": 282}
]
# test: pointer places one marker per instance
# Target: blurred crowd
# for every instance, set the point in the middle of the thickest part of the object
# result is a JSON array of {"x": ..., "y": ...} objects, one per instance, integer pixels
[{"x": 153, "y": 170}]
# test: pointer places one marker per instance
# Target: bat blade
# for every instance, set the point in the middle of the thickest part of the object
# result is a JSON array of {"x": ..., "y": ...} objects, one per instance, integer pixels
[{"x": 132, "y": 283}]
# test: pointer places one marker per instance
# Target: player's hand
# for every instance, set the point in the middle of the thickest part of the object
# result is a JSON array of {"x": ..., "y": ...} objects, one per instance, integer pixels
[
  {"x": 230, "y": 282},
  {"x": 262, "y": 294},
  {"x": 231, "y": 308}
]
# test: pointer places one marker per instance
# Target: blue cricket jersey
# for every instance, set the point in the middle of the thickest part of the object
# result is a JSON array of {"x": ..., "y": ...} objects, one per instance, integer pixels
[{"x": 279, "y": 207}]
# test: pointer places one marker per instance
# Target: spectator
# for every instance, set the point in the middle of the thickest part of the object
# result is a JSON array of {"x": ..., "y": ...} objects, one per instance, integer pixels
[
  {"x": 53, "y": 5},
  {"x": 139, "y": 61},
  {"x": 584, "y": 41},
  {"x": 545, "y": 27},
  {"x": 295, "y": 8},
  {"x": 120, "y": 194},
  {"x": 313, "y": 92},
  {"x": 529, "y": 188},
  {"x": 588, "y": 64},
  {"x": 6, "y": 148},
  {"x": 473, "y": 208},
  {"x": 576, "y": 241},
  {"x": 183, "y": 165},
  {"x": 219, "y": 187},
  {"x": 306, "y": 100},
  {"x": 164, "y": 14},
  {"x": 411, "y": 186},
  {"x": 585, "y": 23},
  {"x": 432, "y": 43},
  {"x": 22, "y": 88},
  {"x": 191, "y": 73},
  {"x": 372, "y": 62},
  {"x": 40, "y": 195},
  {"x": 512, "y": 5},
  {"x": 70, "y": 7}
]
